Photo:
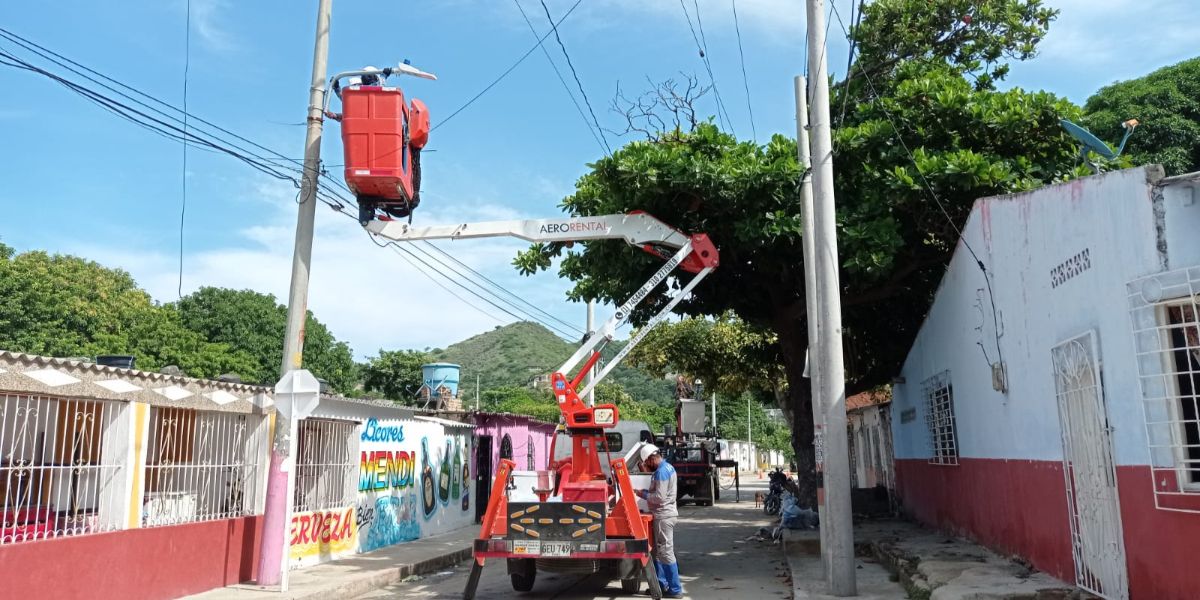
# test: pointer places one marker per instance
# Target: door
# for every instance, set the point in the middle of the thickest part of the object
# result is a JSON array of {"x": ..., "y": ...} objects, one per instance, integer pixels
[
  {"x": 483, "y": 475},
  {"x": 1092, "y": 503}
]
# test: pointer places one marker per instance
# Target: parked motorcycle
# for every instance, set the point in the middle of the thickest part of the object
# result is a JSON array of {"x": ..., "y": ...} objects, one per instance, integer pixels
[{"x": 774, "y": 501}]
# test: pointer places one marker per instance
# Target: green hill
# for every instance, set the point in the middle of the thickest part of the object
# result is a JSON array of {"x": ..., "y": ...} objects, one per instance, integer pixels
[{"x": 516, "y": 354}]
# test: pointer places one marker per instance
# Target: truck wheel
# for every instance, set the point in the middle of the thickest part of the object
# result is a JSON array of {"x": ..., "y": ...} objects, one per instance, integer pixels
[
  {"x": 522, "y": 582},
  {"x": 654, "y": 589},
  {"x": 631, "y": 586}
]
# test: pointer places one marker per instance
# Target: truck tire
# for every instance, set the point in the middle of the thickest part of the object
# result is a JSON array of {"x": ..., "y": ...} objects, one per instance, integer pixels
[
  {"x": 522, "y": 582},
  {"x": 631, "y": 586}
]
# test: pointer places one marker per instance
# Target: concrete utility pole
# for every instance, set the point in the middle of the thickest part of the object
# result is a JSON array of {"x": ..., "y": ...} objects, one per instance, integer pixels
[
  {"x": 591, "y": 329},
  {"x": 477, "y": 391},
  {"x": 840, "y": 556},
  {"x": 714, "y": 413},
  {"x": 810, "y": 299},
  {"x": 273, "y": 558}
]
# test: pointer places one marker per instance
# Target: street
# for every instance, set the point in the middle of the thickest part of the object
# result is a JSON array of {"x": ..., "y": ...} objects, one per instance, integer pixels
[{"x": 716, "y": 559}]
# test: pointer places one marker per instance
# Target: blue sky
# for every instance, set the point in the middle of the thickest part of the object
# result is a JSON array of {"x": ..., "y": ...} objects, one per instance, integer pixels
[{"x": 78, "y": 180}]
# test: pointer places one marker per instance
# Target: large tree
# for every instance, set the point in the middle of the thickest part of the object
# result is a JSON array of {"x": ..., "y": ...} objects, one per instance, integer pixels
[
  {"x": 1167, "y": 105},
  {"x": 65, "y": 306},
  {"x": 396, "y": 374},
  {"x": 254, "y": 323},
  {"x": 924, "y": 134}
]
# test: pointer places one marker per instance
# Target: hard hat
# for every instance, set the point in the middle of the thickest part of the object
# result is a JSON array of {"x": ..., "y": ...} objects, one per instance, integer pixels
[{"x": 647, "y": 451}]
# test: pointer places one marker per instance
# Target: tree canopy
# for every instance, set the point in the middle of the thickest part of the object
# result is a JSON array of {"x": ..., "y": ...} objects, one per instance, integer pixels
[
  {"x": 394, "y": 374},
  {"x": 924, "y": 135},
  {"x": 1167, "y": 105},
  {"x": 66, "y": 306},
  {"x": 255, "y": 323}
]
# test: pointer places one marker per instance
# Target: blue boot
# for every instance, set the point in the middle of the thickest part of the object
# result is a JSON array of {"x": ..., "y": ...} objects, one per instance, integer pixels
[
  {"x": 673, "y": 588},
  {"x": 661, "y": 571}
]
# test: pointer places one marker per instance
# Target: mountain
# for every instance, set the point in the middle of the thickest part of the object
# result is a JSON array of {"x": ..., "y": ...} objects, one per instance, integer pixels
[{"x": 516, "y": 354}]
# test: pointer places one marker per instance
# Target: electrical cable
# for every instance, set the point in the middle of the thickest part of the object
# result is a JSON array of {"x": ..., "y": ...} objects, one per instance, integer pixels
[
  {"x": 558, "y": 73},
  {"x": 525, "y": 315},
  {"x": 745, "y": 80},
  {"x": 510, "y": 69},
  {"x": 933, "y": 194},
  {"x": 575, "y": 74},
  {"x": 326, "y": 192},
  {"x": 702, "y": 48},
  {"x": 708, "y": 62},
  {"x": 532, "y": 306},
  {"x": 187, "y": 59}
]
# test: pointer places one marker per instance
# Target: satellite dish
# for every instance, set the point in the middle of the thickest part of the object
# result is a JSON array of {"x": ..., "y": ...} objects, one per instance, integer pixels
[{"x": 1094, "y": 144}]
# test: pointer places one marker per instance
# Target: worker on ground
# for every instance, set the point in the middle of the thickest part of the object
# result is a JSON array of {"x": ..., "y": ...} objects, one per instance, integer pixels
[{"x": 661, "y": 499}]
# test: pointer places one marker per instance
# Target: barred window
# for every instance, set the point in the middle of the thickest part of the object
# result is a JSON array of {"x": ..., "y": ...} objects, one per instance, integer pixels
[
  {"x": 202, "y": 465},
  {"x": 326, "y": 465},
  {"x": 61, "y": 467},
  {"x": 1165, "y": 312},
  {"x": 939, "y": 416}
]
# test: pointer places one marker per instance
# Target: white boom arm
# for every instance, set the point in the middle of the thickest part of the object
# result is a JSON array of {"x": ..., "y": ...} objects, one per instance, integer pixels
[{"x": 638, "y": 229}]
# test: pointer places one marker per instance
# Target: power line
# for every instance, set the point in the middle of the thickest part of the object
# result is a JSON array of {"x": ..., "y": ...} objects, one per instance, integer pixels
[
  {"x": 561, "y": 80},
  {"x": 510, "y": 69},
  {"x": 167, "y": 128},
  {"x": 574, "y": 74},
  {"x": 929, "y": 187},
  {"x": 525, "y": 315},
  {"x": 745, "y": 80},
  {"x": 187, "y": 60},
  {"x": 497, "y": 286},
  {"x": 702, "y": 47}
]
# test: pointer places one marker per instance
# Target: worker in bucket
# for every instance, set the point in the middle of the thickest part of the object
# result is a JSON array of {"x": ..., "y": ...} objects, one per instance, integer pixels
[{"x": 661, "y": 498}]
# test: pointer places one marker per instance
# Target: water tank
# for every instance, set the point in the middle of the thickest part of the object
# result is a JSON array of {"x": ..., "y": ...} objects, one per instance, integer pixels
[
  {"x": 115, "y": 360},
  {"x": 438, "y": 374}
]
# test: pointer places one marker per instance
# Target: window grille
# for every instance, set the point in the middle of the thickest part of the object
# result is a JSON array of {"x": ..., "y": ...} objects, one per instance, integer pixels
[
  {"x": 202, "y": 465},
  {"x": 529, "y": 455},
  {"x": 939, "y": 416},
  {"x": 326, "y": 465},
  {"x": 506, "y": 448},
  {"x": 61, "y": 467},
  {"x": 1165, "y": 311}
]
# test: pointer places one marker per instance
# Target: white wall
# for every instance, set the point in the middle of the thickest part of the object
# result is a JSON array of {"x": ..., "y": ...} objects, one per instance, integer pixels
[{"x": 1022, "y": 239}]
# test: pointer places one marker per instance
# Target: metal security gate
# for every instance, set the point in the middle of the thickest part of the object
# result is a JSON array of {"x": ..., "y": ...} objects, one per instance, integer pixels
[{"x": 1096, "y": 537}]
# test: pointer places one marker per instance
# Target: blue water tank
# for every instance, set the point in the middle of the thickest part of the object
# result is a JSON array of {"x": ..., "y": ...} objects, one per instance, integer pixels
[{"x": 436, "y": 375}]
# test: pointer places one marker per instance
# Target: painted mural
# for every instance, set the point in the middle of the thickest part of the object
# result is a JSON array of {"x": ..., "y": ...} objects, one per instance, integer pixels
[
  {"x": 413, "y": 482},
  {"x": 322, "y": 535}
]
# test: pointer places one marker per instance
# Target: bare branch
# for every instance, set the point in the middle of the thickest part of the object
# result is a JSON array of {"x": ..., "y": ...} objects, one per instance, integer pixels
[{"x": 667, "y": 110}]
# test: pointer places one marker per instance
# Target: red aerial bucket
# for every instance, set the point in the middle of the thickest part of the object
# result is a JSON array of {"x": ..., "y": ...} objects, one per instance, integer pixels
[{"x": 381, "y": 138}]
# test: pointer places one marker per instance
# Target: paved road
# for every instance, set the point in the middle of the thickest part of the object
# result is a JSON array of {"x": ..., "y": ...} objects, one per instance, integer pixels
[{"x": 716, "y": 560}]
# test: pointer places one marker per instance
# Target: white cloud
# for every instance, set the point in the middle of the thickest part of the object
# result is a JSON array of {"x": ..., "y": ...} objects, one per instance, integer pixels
[
  {"x": 368, "y": 296},
  {"x": 207, "y": 20},
  {"x": 1120, "y": 35}
]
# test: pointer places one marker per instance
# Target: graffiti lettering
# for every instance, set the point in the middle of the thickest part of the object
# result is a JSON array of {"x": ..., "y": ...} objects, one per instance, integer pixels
[
  {"x": 383, "y": 469},
  {"x": 374, "y": 432},
  {"x": 322, "y": 527}
]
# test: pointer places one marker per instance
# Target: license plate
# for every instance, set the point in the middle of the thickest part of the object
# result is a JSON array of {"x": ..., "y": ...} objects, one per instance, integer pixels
[
  {"x": 527, "y": 547},
  {"x": 556, "y": 549}
]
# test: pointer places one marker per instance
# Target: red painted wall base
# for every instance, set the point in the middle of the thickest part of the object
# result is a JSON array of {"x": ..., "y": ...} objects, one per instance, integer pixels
[
  {"x": 1020, "y": 507},
  {"x": 155, "y": 563}
]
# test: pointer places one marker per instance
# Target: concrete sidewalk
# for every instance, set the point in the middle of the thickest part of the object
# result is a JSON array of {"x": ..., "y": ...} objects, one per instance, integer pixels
[
  {"x": 898, "y": 560},
  {"x": 357, "y": 575}
]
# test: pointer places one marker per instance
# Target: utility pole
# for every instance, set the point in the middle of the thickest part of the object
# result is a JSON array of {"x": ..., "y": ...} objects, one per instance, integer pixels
[
  {"x": 273, "y": 558},
  {"x": 591, "y": 326},
  {"x": 477, "y": 392},
  {"x": 810, "y": 300},
  {"x": 749, "y": 436},
  {"x": 714, "y": 414},
  {"x": 840, "y": 563}
]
